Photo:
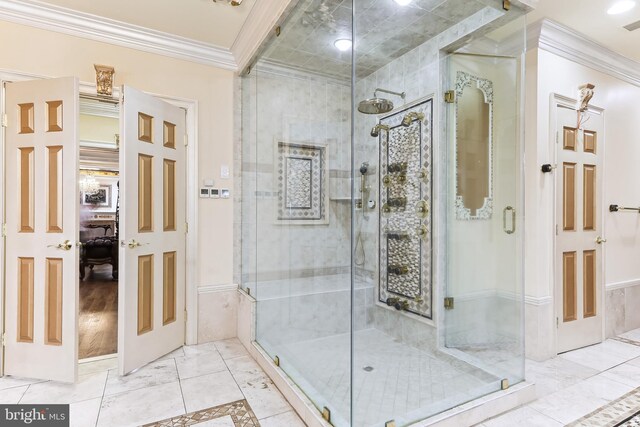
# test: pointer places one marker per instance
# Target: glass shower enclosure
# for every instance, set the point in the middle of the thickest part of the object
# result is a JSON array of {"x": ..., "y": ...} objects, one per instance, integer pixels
[{"x": 382, "y": 203}]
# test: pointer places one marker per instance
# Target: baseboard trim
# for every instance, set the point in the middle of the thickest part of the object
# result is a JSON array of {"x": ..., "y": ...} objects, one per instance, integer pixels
[{"x": 217, "y": 288}]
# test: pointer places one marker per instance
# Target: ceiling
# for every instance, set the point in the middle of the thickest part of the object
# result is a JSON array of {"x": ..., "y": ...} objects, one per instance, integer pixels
[
  {"x": 590, "y": 18},
  {"x": 202, "y": 20},
  {"x": 384, "y": 31}
]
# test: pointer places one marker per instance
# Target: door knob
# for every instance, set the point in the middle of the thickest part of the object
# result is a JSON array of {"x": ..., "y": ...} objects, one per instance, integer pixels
[
  {"x": 65, "y": 246},
  {"x": 600, "y": 240},
  {"x": 132, "y": 244}
]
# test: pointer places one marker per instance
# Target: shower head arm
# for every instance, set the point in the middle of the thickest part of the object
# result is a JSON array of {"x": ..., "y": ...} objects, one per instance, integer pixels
[{"x": 400, "y": 94}]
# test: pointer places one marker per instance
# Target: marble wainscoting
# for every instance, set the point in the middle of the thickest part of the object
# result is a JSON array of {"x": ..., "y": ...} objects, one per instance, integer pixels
[{"x": 621, "y": 304}]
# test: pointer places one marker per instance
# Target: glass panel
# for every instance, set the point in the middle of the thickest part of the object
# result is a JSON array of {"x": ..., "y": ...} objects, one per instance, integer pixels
[
  {"x": 297, "y": 201},
  {"x": 349, "y": 226},
  {"x": 483, "y": 321}
]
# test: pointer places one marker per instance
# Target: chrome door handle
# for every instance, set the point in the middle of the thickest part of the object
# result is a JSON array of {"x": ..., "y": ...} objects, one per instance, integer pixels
[
  {"x": 600, "y": 240},
  {"x": 65, "y": 246},
  {"x": 513, "y": 220}
]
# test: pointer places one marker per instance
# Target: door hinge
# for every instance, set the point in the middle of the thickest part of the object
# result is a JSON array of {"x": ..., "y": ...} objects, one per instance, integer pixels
[
  {"x": 448, "y": 303},
  {"x": 185, "y": 315},
  {"x": 4, "y": 339},
  {"x": 186, "y": 139},
  {"x": 4, "y": 230},
  {"x": 557, "y": 137},
  {"x": 556, "y": 229},
  {"x": 450, "y": 97},
  {"x": 557, "y": 322},
  {"x": 186, "y": 227},
  {"x": 5, "y": 120}
]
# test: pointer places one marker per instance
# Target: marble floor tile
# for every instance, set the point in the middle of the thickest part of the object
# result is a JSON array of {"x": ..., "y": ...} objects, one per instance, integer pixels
[
  {"x": 9, "y": 381},
  {"x": 574, "y": 402},
  {"x": 88, "y": 387},
  {"x": 289, "y": 419},
  {"x": 264, "y": 398},
  {"x": 208, "y": 347},
  {"x": 632, "y": 335},
  {"x": 85, "y": 413},
  {"x": 97, "y": 366},
  {"x": 603, "y": 356},
  {"x": 179, "y": 352},
  {"x": 12, "y": 395},
  {"x": 141, "y": 406},
  {"x": 231, "y": 348},
  {"x": 210, "y": 390},
  {"x": 199, "y": 364},
  {"x": 220, "y": 422},
  {"x": 555, "y": 374},
  {"x": 159, "y": 372},
  {"x": 245, "y": 370},
  {"x": 522, "y": 417},
  {"x": 627, "y": 373}
]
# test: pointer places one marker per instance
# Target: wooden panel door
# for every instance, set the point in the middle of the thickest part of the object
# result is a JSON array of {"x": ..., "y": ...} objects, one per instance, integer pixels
[
  {"x": 41, "y": 323},
  {"x": 579, "y": 228},
  {"x": 152, "y": 230}
]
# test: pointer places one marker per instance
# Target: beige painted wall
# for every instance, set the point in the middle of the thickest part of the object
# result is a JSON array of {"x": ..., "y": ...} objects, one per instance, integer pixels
[
  {"x": 42, "y": 52},
  {"x": 547, "y": 74}
]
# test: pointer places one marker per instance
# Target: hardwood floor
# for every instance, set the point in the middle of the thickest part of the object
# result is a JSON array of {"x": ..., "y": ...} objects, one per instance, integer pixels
[{"x": 98, "y": 313}]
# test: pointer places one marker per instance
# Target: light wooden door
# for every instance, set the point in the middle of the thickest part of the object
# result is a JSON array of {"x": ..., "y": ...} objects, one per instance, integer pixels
[
  {"x": 151, "y": 307},
  {"x": 41, "y": 322},
  {"x": 579, "y": 228}
]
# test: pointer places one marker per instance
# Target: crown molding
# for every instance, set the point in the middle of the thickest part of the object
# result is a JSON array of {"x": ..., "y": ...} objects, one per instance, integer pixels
[
  {"x": 262, "y": 19},
  {"x": 553, "y": 37},
  {"x": 93, "y": 27}
]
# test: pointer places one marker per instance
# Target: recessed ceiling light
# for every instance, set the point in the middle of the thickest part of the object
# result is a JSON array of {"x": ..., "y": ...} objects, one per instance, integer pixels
[
  {"x": 403, "y": 2},
  {"x": 621, "y": 6},
  {"x": 342, "y": 44}
]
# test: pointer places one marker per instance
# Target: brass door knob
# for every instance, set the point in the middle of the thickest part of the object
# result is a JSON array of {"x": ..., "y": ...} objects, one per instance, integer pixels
[
  {"x": 65, "y": 246},
  {"x": 600, "y": 240}
]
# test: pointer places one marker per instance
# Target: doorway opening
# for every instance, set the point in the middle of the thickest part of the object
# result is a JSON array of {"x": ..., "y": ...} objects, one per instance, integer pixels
[{"x": 100, "y": 194}]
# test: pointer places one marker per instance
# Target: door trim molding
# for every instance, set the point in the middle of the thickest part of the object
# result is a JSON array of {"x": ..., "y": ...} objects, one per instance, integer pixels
[
  {"x": 556, "y": 101},
  {"x": 94, "y": 27},
  {"x": 191, "y": 256}
]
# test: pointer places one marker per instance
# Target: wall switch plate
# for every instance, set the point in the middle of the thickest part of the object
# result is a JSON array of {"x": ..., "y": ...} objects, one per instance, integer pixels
[
  {"x": 204, "y": 193},
  {"x": 207, "y": 183},
  {"x": 225, "y": 193},
  {"x": 215, "y": 193},
  {"x": 224, "y": 172}
]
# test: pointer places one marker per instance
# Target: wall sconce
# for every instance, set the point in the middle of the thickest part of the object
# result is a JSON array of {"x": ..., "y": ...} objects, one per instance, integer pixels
[{"x": 104, "y": 79}]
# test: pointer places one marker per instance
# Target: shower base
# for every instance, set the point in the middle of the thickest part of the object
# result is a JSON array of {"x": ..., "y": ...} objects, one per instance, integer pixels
[{"x": 391, "y": 381}]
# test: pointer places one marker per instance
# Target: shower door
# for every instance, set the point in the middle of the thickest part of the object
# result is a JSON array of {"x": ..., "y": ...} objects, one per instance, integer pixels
[{"x": 482, "y": 305}]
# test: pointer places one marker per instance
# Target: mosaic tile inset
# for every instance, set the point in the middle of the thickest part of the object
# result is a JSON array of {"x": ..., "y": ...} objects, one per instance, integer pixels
[
  {"x": 301, "y": 183},
  {"x": 240, "y": 412},
  {"x": 405, "y": 200}
]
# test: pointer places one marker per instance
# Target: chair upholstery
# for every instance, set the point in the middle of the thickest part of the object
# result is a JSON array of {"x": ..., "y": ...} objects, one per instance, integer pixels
[{"x": 98, "y": 251}]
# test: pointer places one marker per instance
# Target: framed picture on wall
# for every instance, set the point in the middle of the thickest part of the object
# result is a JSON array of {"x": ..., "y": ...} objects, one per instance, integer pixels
[{"x": 100, "y": 199}]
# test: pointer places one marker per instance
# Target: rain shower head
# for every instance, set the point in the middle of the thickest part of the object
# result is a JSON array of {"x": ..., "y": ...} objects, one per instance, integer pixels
[
  {"x": 377, "y": 105},
  {"x": 375, "y": 132}
]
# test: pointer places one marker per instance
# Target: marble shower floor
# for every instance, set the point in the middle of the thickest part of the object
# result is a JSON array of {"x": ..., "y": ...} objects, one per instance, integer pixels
[
  {"x": 402, "y": 380},
  {"x": 576, "y": 383},
  {"x": 187, "y": 380}
]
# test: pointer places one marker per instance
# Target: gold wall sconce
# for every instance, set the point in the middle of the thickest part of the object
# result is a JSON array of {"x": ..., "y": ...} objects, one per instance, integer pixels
[{"x": 104, "y": 79}]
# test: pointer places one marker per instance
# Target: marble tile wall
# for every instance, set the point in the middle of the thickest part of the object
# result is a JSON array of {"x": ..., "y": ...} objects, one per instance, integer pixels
[
  {"x": 621, "y": 310},
  {"x": 282, "y": 105}
]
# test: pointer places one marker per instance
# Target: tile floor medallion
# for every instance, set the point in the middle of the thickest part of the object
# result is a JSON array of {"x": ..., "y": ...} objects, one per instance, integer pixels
[
  {"x": 624, "y": 411},
  {"x": 240, "y": 413}
]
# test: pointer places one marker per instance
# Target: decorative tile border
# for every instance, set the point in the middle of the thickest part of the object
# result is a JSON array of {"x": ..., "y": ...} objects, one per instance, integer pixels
[
  {"x": 620, "y": 412},
  {"x": 239, "y": 411}
]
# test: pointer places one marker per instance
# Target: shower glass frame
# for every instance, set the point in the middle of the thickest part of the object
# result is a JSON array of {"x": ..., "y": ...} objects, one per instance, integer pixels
[{"x": 318, "y": 311}]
